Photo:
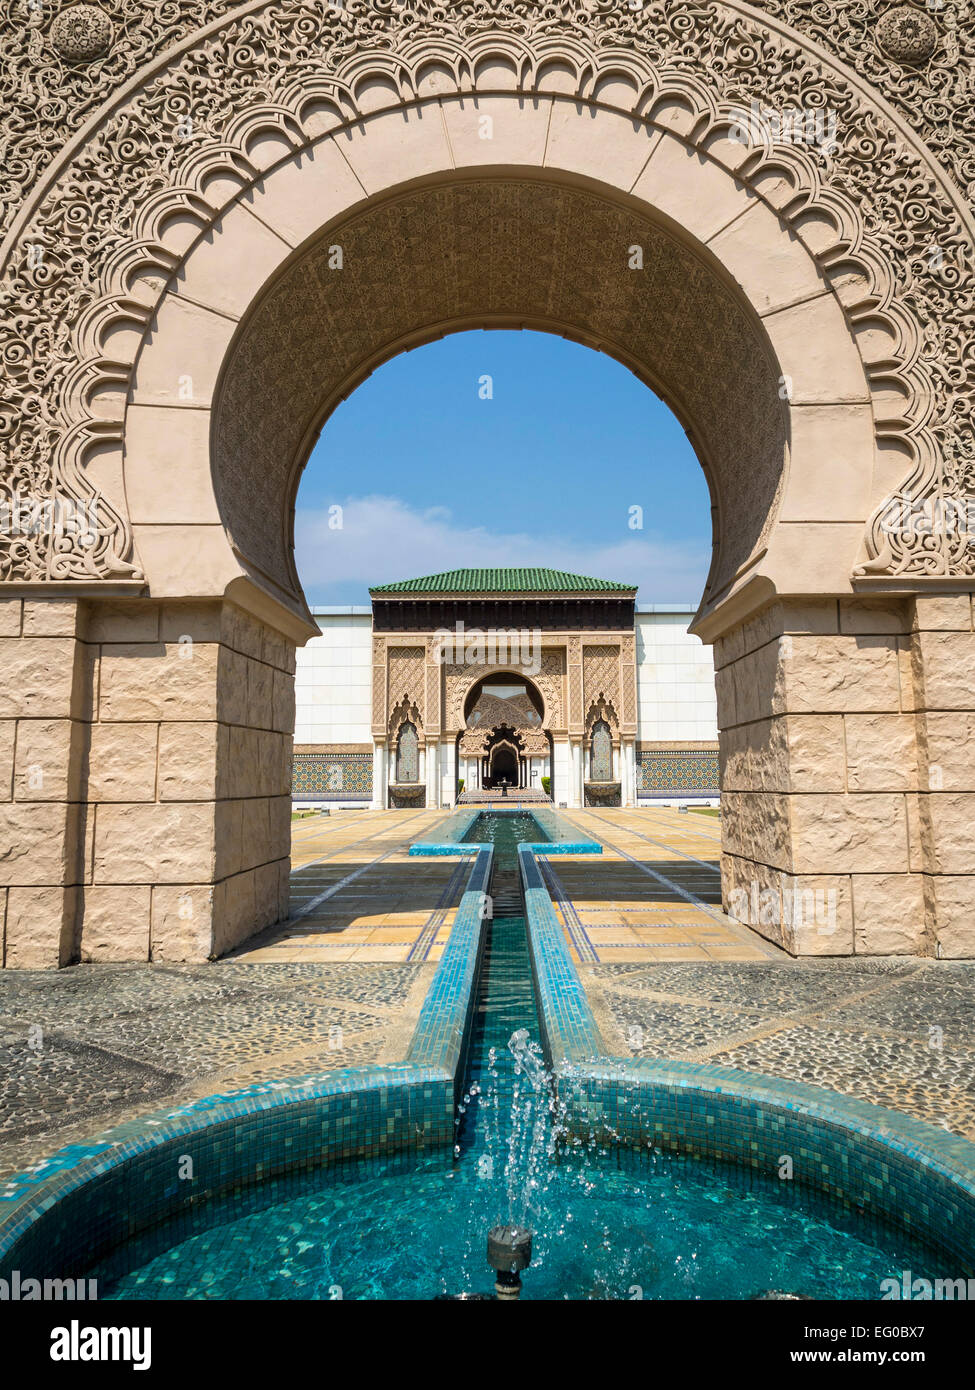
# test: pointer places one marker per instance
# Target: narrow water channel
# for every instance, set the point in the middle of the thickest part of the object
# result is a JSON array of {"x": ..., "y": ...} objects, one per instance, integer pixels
[{"x": 506, "y": 997}]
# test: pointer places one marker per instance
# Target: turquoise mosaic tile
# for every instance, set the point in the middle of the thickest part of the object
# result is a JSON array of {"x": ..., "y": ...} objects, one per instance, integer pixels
[
  {"x": 568, "y": 1027},
  {"x": 442, "y": 1032},
  {"x": 63, "y": 1214},
  {"x": 869, "y": 1158}
]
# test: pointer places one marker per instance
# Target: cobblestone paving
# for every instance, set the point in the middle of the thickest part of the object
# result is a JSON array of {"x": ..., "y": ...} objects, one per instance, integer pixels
[
  {"x": 84, "y": 1048},
  {"x": 897, "y": 1032},
  {"x": 669, "y": 976}
]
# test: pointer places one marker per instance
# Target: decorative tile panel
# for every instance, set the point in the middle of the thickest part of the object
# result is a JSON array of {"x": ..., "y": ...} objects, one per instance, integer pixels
[
  {"x": 665, "y": 771},
  {"x": 329, "y": 776}
]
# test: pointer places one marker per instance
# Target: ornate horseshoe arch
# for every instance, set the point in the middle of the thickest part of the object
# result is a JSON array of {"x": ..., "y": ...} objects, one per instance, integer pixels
[
  {"x": 461, "y": 682},
  {"x": 116, "y": 211}
]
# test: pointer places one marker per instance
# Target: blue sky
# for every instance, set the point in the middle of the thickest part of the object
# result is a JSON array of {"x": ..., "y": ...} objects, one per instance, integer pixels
[{"x": 430, "y": 476}]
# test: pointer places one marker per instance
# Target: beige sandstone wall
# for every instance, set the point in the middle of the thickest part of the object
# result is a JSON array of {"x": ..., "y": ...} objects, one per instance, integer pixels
[
  {"x": 848, "y": 767},
  {"x": 145, "y": 762}
]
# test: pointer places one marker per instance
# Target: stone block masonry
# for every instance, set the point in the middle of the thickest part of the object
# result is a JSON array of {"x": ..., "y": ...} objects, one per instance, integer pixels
[
  {"x": 848, "y": 774},
  {"x": 145, "y": 769}
]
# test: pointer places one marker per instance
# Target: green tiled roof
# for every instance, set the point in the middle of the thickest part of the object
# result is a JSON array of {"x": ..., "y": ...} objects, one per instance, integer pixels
[{"x": 502, "y": 581}]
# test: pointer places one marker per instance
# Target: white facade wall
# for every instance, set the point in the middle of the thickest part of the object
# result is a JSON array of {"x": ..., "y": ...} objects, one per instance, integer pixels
[
  {"x": 675, "y": 682},
  {"x": 333, "y": 679},
  {"x": 675, "y": 677}
]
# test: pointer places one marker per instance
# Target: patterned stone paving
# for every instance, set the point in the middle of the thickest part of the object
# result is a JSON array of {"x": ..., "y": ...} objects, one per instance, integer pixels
[
  {"x": 654, "y": 892},
  {"x": 357, "y": 895},
  {"x": 341, "y": 984},
  {"x": 896, "y": 1032},
  {"x": 84, "y": 1048},
  {"x": 669, "y": 976}
]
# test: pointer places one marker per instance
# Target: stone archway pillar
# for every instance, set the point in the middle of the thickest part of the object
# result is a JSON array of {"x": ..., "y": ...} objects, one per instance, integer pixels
[
  {"x": 151, "y": 818},
  {"x": 45, "y": 717},
  {"x": 940, "y": 681},
  {"x": 848, "y": 775}
]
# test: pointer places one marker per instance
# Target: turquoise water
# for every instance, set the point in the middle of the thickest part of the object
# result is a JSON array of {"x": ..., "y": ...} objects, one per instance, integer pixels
[{"x": 609, "y": 1223}]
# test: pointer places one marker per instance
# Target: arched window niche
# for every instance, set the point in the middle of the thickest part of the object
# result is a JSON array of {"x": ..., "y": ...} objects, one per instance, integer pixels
[
  {"x": 407, "y": 755},
  {"x": 601, "y": 753}
]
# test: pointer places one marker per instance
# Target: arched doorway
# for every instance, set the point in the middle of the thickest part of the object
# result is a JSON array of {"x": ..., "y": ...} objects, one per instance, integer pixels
[
  {"x": 221, "y": 302},
  {"x": 503, "y": 766},
  {"x": 507, "y": 737}
]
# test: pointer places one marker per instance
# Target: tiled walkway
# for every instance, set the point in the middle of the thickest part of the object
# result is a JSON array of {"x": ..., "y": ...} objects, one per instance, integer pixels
[
  {"x": 357, "y": 895},
  {"x": 653, "y": 894}
]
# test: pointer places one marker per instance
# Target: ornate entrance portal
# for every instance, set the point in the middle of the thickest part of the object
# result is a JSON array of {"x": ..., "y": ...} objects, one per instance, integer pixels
[
  {"x": 218, "y": 228},
  {"x": 506, "y": 740},
  {"x": 504, "y": 671},
  {"x": 503, "y": 766}
]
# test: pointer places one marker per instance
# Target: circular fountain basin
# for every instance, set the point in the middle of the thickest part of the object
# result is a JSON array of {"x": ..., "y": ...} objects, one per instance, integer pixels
[{"x": 617, "y": 1225}]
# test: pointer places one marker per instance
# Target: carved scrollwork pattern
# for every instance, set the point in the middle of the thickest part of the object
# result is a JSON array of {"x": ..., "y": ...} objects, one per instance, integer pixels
[
  {"x": 603, "y": 710},
  {"x": 407, "y": 682},
  {"x": 46, "y": 99},
  {"x": 601, "y": 677},
  {"x": 378, "y": 683},
  {"x": 549, "y": 680},
  {"x": 934, "y": 99},
  {"x": 98, "y": 258}
]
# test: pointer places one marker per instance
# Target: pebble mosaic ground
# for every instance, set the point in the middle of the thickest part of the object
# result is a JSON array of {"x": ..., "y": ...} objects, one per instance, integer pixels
[{"x": 341, "y": 984}]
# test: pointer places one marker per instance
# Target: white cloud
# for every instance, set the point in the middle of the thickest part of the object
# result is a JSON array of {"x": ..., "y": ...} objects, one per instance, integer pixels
[{"x": 384, "y": 539}]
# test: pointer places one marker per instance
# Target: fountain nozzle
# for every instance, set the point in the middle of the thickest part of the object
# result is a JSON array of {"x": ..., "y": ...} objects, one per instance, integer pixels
[{"x": 509, "y": 1251}]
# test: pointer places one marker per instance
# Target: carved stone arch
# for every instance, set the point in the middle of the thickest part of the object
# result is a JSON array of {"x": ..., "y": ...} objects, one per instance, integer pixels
[
  {"x": 603, "y": 709},
  {"x": 465, "y": 682},
  {"x": 927, "y": 89},
  {"x": 405, "y": 711},
  {"x": 135, "y": 257},
  {"x": 510, "y": 745},
  {"x": 834, "y": 209}
]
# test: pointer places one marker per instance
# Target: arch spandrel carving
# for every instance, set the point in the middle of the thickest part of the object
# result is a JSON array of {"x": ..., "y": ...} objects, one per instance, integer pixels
[
  {"x": 933, "y": 96},
  {"x": 601, "y": 675},
  {"x": 406, "y": 683},
  {"x": 460, "y": 680},
  {"x": 105, "y": 211}
]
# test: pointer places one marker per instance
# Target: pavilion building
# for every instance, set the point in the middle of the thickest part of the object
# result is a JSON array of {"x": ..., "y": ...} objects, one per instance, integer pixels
[{"x": 454, "y": 685}]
